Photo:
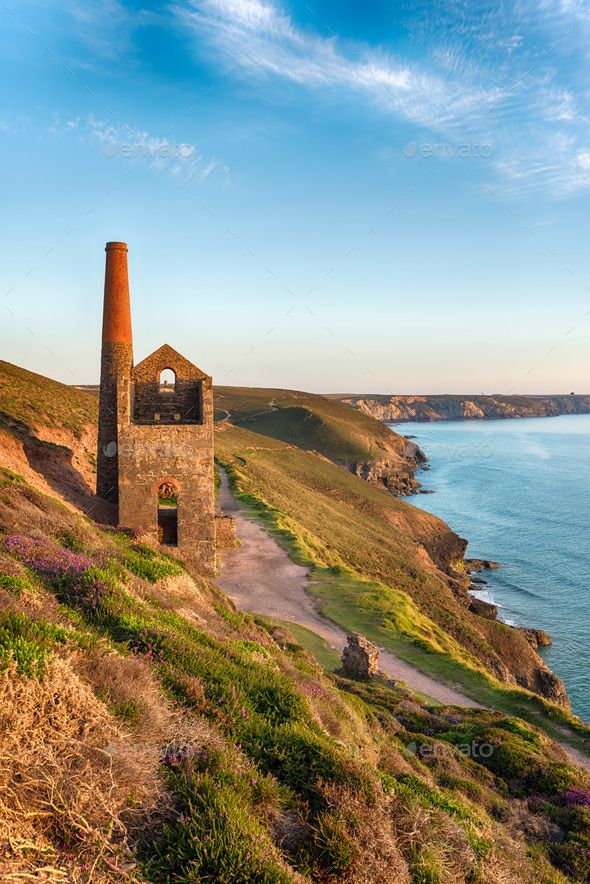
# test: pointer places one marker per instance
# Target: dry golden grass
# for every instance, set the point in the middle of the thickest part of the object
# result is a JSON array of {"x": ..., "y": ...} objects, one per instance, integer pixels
[
  {"x": 377, "y": 857},
  {"x": 188, "y": 596},
  {"x": 70, "y": 785},
  {"x": 128, "y": 687},
  {"x": 432, "y": 843}
]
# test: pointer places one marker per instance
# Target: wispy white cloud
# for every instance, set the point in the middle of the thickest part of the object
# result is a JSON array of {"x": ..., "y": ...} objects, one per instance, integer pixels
[
  {"x": 257, "y": 38},
  {"x": 122, "y": 142},
  {"x": 103, "y": 27},
  {"x": 561, "y": 106},
  {"x": 158, "y": 152},
  {"x": 487, "y": 72}
]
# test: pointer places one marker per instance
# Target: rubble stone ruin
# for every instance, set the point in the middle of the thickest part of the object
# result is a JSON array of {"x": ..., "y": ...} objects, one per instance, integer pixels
[
  {"x": 155, "y": 433},
  {"x": 360, "y": 656}
]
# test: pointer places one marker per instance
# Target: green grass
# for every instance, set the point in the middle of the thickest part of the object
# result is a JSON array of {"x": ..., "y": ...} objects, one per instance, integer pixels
[
  {"x": 27, "y": 642},
  {"x": 267, "y": 753},
  {"x": 327, "y": 657},
  {"x": 29, "y": 400},
  {"x": 149, "y": 564},
  {"x": 8, "y": 477},
  {"x": 14, "y": 583},
  {"x": 311, "y": 422},
  {"x": 216, "y": 836},
  {"x": 386, "y": 615}
]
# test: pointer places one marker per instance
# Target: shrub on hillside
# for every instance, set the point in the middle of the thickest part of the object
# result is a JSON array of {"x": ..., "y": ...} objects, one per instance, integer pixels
[
  {"x": 218, "y": 833},
  {"x": 147, "y": 563},
  {"x": 74, "y": 576},
  {"x": 27, "y": 643}
]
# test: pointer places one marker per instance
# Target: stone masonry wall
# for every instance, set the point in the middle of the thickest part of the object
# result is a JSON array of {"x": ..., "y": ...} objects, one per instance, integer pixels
[
  {"x": 150, "y": 455},
  {"x": 116, "y": 362},
  {"x": 178, "y": 453},
  {"x": 225, "y": 532},
  {"x": 181, "y": 405}
]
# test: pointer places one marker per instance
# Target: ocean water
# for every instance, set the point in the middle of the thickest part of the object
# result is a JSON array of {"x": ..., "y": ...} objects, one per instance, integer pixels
[{"x": 519, "y": 492}]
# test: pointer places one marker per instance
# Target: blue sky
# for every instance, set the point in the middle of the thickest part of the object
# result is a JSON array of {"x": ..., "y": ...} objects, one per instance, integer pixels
[{"x": 384, "y": 197}]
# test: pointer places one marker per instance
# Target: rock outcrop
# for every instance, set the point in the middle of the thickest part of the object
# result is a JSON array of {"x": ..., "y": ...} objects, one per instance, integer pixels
[
  {"x": 544, "y": 682},
  {"x": 474, "y": 565},
  {"x": 537, "y": 638},
  {"x": 399, "y": 480},
  {"x": 360, "y": 656},
  {"x": 396, "y": 475},
  {"x": 484, "y": 609}
]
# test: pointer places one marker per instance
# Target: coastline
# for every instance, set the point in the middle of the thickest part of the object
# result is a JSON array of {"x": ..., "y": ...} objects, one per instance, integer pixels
[
  {"x": 510, "y": 489},
  {"x": 483, "y": 602},
  {"x": 463, "y": 407}
]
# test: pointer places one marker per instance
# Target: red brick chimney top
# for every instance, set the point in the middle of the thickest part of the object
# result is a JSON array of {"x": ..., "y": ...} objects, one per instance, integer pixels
[{"x": 116, "y": 318}]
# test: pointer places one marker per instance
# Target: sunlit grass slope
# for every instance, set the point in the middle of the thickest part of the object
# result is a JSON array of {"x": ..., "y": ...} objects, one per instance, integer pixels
[
  {"x": 152, "y": 733},
  {"x": 310, "y": 422},
  {"x": 371, "y": 573},
  {"x": 36, "y": 401}
]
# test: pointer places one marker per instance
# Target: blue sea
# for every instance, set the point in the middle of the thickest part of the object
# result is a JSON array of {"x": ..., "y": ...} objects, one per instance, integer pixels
[{"x": 519, "y": 492}]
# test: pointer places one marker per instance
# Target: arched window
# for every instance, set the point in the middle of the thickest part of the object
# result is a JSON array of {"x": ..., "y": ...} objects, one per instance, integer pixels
[{"x": 167, "y": 381}]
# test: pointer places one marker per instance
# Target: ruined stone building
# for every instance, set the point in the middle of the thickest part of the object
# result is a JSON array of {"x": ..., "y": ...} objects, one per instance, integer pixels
[{"x": 155, "y": 435}]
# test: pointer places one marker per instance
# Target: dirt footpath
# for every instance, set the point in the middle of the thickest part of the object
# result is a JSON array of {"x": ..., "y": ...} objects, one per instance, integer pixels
[{"x": 260, "y": 577}]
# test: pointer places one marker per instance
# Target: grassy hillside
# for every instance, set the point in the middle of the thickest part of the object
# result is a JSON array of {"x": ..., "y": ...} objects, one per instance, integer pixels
[
  {"x": 34, "y": 402},
  {"x": 379, "y": 565},
  {"x": 345, "y": 522},
  {"x": 152, "y": 733},
  {"x": 314, "y": 423},
  {"x": 48, "y": 434}
]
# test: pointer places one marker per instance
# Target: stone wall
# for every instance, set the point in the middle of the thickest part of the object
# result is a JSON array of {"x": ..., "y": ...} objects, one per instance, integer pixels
[
  {"x": 150, "y": 455},
  {"x": 225, "y": 532},
  {"x": 116, "y": 362},
  {"x": 181, "y": 454},
  {"x": 360, "y": 656},
  {"x": 181, "y": 404}
]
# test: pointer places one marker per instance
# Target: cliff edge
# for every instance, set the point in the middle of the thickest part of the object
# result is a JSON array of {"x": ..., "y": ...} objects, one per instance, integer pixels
[{"x": 445, "y": 408}]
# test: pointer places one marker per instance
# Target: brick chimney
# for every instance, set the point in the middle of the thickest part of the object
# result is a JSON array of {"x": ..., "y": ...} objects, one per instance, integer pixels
[
  {"x": 115, "y": 365},
  {"x": 116, "y": 317}
]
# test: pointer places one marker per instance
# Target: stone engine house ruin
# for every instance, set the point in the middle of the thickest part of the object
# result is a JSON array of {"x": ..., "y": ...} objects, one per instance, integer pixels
[{"x": 155, "y": 434}]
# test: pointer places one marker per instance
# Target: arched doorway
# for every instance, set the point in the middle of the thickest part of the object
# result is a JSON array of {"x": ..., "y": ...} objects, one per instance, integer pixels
[{"x": 168, "y": 513}]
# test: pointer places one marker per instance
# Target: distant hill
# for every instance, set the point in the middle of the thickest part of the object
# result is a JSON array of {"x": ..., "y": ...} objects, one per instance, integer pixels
[
  {"x": 457, "y": 407},
  {"x": 316, "y": 423}
]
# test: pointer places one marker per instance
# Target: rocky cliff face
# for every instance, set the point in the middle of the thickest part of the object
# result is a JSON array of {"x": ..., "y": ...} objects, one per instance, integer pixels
[
  {"x": 397, "y": 474},
  {"x": 440, "y": 408}
]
